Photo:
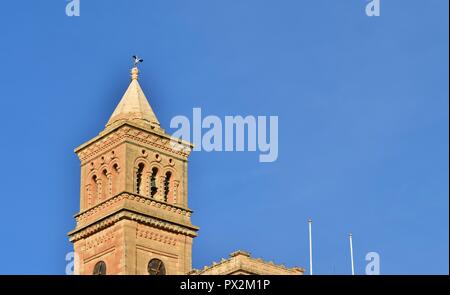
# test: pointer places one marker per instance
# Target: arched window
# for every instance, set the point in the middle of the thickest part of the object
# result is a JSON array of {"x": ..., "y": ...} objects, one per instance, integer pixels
[
  {"x": 116, "y": 168},
  {"x": 139, "y": 178},
  {"x": 153, "y": 186},
  {"x": 105, "y": 185},
  {"x": 156, "y": 267},
  {"x": 93, "y": 191},
  {"x": 167, "y": 185},
  {"x": 99, "y": 268},
  {"x": 114, "y": 179}
]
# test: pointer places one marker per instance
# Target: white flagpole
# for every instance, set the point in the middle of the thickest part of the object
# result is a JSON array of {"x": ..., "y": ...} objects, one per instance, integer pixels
[
  {"x": 351, "y": 253},
  {"x": 310, "y": 246}
]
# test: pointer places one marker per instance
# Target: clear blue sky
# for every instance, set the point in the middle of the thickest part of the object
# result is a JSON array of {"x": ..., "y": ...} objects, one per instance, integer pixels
[{"x": 363, "y": 123}]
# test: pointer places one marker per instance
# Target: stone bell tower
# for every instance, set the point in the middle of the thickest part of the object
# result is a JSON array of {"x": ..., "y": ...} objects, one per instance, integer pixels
[{"x": 134, "y": 216}]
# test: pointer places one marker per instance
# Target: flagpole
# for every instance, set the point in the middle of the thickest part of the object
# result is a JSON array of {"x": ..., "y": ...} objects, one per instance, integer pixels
[
  {"x": 310, "y": 246},
  {"x": 351, "y": 253}
]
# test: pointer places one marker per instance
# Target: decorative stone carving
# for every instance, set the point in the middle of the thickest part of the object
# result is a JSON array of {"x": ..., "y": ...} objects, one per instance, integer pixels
[{"x": 152, "y": 235}]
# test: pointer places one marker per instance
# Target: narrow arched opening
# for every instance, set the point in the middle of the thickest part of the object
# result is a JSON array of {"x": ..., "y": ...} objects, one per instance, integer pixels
[
  {"x": 153, "y": 185},
  {"x": 139, "y": 172},
  {"x": 167, "y": 185}
]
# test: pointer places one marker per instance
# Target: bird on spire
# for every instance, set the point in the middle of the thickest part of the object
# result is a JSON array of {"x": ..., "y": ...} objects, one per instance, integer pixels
[{"x": 136, "y": 60}]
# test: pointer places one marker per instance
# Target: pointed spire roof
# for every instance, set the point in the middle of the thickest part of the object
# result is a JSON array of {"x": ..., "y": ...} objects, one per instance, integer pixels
[{"x": 134, "y": 106}]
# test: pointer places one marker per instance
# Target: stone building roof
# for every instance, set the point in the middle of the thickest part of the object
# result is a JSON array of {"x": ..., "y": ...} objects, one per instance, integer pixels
[
  {"x": 134, "y": 106},
  {"x": 241, "y": 263}
]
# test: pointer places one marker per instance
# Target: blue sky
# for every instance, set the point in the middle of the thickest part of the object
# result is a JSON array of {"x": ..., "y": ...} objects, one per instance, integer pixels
[{"x": 363, "y": 123}]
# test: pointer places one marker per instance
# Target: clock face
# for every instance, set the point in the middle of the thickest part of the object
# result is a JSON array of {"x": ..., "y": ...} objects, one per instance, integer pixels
[
  {"x": 99, "y": 268},
  {"x": 156, "y": 267}
]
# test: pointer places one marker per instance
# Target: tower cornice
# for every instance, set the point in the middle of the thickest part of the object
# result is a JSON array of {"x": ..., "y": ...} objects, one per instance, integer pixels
[
  {"x": 128, "y": 214},
  {"x": 138, "y": 199},
  {"x": 126, "y": 130}
]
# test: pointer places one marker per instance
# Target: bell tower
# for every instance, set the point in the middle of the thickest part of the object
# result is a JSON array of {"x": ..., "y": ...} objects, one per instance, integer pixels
[{"x": 134, "y": 216}]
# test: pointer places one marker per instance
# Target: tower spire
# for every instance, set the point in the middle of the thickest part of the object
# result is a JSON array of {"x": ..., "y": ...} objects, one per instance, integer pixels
[{"x": 134, "y": 106}]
